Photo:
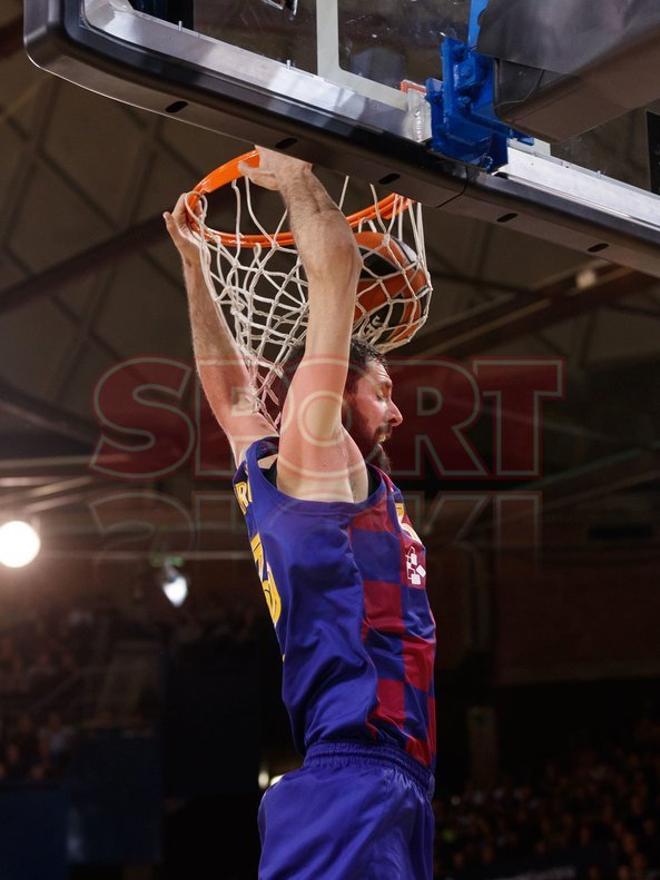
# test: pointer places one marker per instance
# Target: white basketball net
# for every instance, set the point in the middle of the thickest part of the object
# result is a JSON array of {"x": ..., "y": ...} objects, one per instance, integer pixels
[{"x": 263, "y": 289}]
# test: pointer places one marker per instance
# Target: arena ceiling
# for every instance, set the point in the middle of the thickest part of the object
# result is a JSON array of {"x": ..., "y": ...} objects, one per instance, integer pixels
[{"x": 88, "y": 279}]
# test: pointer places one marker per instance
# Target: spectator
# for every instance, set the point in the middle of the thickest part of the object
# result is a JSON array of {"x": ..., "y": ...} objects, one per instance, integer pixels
[
  {"x": 58, "y": 739},
  {"x": 14, "y": 768},
  {"x": 639, "y": 866},
  {"x": 649, "y": 842},
  {"x": 9, "y": 660},
  {"x": 68, "y": 664},
  {"x": 43, "y": 768},
  {"x": 7, "y": 653},
  {"x": 43, "y": 673},
  {"x": 26, "y": 738}
]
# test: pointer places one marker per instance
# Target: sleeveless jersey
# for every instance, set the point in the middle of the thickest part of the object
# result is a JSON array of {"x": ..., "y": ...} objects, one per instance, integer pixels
[{"x": 345, "y": 585}]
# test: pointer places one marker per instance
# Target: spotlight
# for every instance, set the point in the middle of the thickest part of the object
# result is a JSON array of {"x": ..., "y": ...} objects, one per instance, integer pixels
[
  {"x": 173, "y": 583},
  {"x": 19, "y": 544},
  {"x": 263, "y": 779}
]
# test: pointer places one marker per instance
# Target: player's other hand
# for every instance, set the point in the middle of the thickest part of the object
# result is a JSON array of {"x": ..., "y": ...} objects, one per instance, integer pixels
[
  {"x": 178, "y": 227},
  {"x": 273, "y": 169}
]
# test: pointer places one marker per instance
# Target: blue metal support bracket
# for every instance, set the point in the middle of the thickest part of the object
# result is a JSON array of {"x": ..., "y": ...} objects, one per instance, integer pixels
[{"x": 463, "y": 122}]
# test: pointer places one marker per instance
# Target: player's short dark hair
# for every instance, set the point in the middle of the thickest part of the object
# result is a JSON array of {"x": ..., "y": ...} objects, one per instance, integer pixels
[{"x": 360, "y": 355}]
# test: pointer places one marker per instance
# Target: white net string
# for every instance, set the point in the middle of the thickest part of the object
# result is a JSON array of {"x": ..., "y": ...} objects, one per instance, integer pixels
[{"x": 262, "y": 290}]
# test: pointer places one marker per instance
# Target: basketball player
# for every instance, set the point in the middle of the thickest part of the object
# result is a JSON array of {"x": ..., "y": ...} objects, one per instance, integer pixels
[{"x": 340, "y": 565}]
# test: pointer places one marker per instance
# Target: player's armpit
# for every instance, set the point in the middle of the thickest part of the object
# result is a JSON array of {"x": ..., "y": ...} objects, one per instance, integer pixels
[
  {"x": 247, "y": 435},
  {"x": 242, "y": 433}
]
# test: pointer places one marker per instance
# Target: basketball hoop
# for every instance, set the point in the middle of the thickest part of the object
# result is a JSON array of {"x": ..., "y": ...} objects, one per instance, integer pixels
[{"x": 258, "y": 278}]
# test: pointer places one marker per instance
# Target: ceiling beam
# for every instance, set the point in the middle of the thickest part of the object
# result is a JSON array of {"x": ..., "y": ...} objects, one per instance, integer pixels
[
  {"x": 89, "y": 262},
  {"x": 498, "y": 323},
  {"x": 45, "y": 416},
  {"x": 602, "y": 478},
  {"x": 58, "y": 487},
  {"x": 636, "y": 310}
]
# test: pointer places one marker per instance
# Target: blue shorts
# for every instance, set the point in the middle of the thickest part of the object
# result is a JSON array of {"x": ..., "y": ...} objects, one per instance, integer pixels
[{"x": 351, "y": 812}]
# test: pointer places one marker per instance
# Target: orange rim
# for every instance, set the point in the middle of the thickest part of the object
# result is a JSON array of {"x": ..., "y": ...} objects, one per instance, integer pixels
[{"x": 386, "y": 208}]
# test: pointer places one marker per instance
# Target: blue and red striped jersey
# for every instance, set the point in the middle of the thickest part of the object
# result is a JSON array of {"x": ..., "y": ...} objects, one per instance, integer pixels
[{"x": 345, "y": 585}]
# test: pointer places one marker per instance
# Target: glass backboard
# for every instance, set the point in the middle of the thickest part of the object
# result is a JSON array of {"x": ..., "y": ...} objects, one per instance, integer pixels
[{"x": 344, "y": 87}]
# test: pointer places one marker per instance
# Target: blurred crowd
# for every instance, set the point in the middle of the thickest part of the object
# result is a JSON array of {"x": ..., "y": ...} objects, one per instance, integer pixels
[
  {"x": 590, "y": 813},
  {"x": 593, "y": 809},
  {"x": 35, "y": 752},
  {"x": 227, "y": 629},
  {"x": 54, "y": 665},
  {"x": 40, "y": 660},
  {"x": 36, "y": 655}
]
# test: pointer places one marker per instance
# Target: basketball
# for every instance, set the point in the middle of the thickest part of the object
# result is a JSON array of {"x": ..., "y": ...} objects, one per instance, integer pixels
[{"x": 391, "y": 289}]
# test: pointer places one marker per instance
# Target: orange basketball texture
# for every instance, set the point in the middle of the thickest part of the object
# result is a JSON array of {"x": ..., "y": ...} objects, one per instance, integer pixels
[{"x": 391, "y": 286}]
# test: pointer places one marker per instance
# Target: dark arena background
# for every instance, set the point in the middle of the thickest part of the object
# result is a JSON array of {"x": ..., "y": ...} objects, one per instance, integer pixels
[{"x": 140, "y": 708}]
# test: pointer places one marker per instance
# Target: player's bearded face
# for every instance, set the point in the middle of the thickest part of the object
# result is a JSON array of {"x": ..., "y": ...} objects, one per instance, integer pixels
[
  {"x": 370, "y": 415},
  {"x": 366, "y": 439}
]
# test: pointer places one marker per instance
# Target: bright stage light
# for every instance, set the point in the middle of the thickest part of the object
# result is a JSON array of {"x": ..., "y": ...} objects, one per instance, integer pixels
[
  {"x": 174, "y": 584},
  {"x": 19, "y": 544}
]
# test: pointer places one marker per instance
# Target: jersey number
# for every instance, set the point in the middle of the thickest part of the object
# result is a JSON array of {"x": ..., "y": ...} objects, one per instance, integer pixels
[{"x": 267, "y": 580}]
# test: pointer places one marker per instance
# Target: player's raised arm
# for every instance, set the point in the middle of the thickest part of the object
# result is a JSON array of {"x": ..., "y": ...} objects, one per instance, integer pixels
[
  {"x": 314, "y": 457},
  {"x": 219, "y": 362}
]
